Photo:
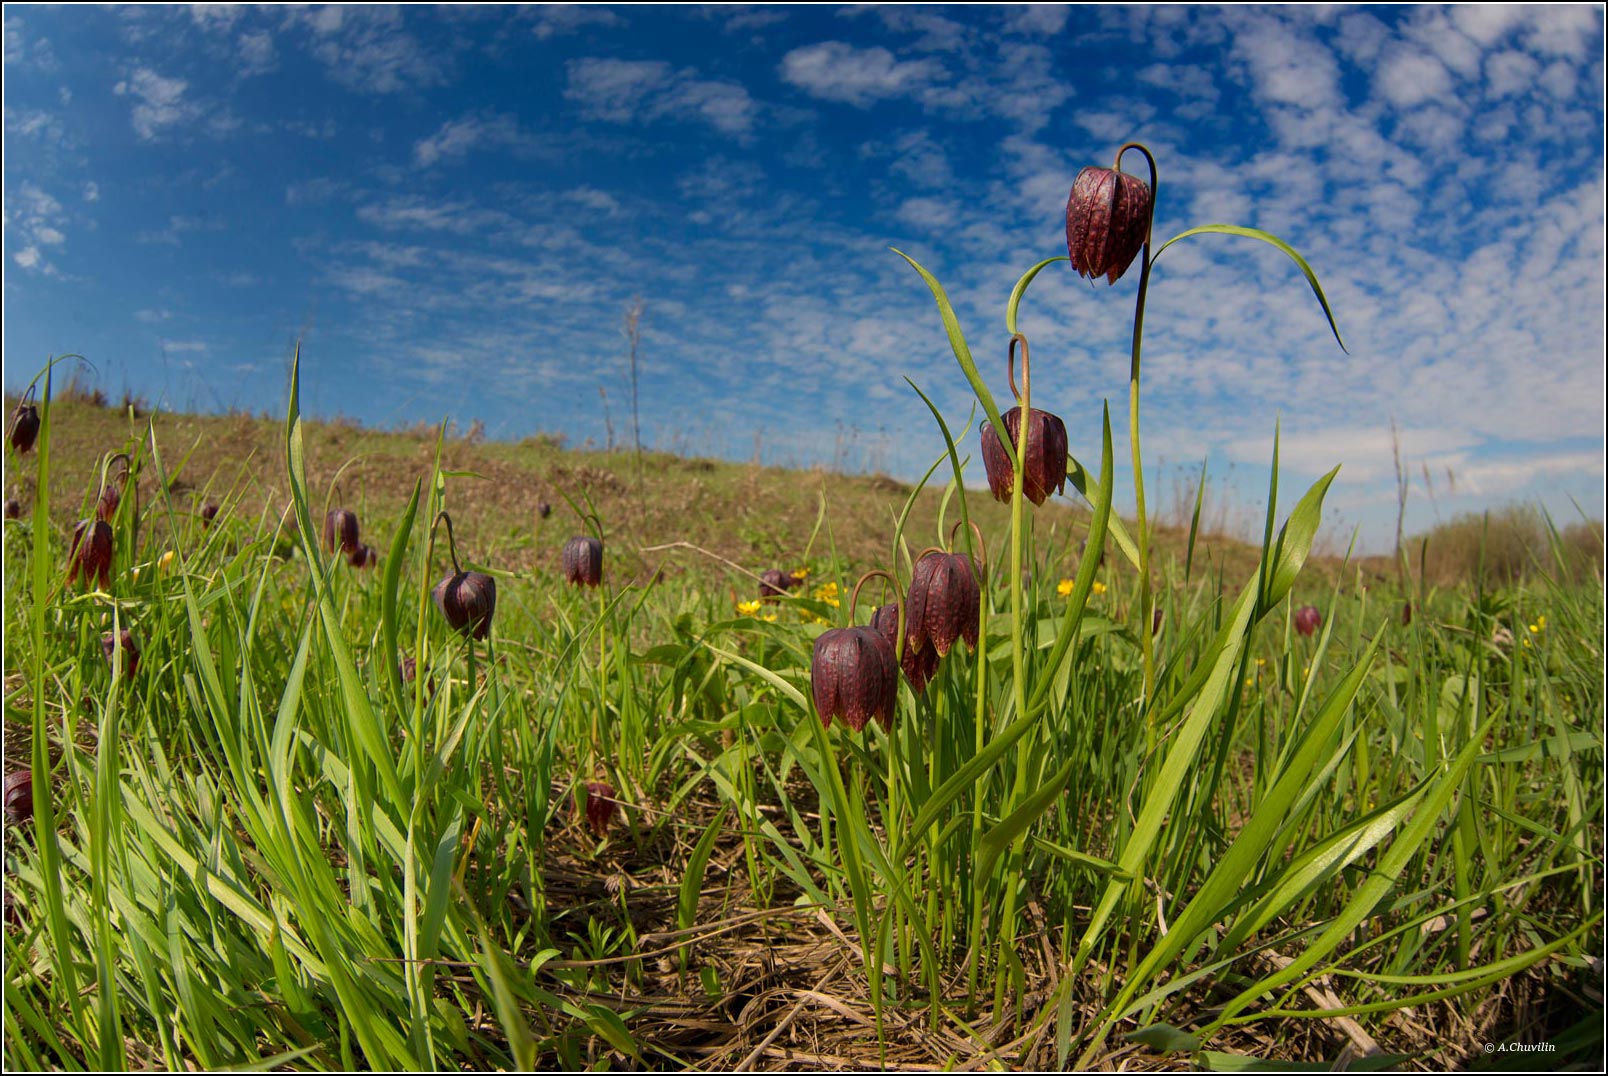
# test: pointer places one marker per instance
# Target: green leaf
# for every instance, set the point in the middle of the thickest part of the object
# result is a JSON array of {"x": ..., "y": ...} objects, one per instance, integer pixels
[
  {"x": 1166, "y": 1038},
  {"x": 1021, "y": 289},
  {"x": 997, "y": 839},
  {"x": 1266, "y": 237}
]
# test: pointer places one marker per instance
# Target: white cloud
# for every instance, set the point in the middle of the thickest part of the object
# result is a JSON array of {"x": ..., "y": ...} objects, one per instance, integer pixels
[
  {"x": 161, "y": 102},
  {"x": 838, "y": 71},
  {"x": 186, "y": 346},
  {"x": 457, "y": 137},
  {"x": 256, "y": 53},
  {"x": 554, "y": 20},
  {"x": 37, "y": 220},
  {"x": 27, "y": 257},
  {"x": 1408, "y": 77},
  {"x": 365, "y": 49},
  {"x": 91, "y": 191},
  {"x": 1289, "y": 68},
  {"x": 627, "y": 91}
]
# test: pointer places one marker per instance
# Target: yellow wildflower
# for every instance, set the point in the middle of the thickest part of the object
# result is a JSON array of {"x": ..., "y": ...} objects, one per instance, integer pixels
[
  {"x": 1099, "y": 588},
  {"x": 167, "y": 559},
  {"x": 828, "y": 593},
  {"x": 1064, "y": 587},
  {"x": 769, "y": 618},
  {"x": 800, "y": 573},
  {"x": 748, "y": 608}
]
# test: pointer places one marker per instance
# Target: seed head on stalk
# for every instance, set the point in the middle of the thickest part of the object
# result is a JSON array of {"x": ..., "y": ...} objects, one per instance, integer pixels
[
  {"x": 1044, "y": 464},
  {"x": 854, "y": 674},
  {"x": 466, "y": 599}
]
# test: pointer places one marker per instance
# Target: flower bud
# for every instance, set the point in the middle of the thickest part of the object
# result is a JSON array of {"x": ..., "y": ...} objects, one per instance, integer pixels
[
  {"x": 19, "y": 796},
  {"x": 467, "y": 600},
  {"x": 1308, "y": 619},
  {"x": 919, "y": 666},
  {"x": 854, "y": 676},
  {"x": 91, "y": 553},
  {"x": 1107, "y": 221},
  {"x": 340, "y": 531},
  {"x": 601, "y": 807},
  {"x": 583, "y": 561},
  {"x": 24, "y": 427},
  {"x": 943, "y": 603},
  {"x": 1045, "y": 459},
  {"x": 124, "y": 641}
]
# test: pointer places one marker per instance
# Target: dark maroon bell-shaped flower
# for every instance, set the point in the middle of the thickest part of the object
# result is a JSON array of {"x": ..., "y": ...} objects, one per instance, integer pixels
[
  {"x": 340, "y": 531},
  {"x": 1045, "y": 470},
  {"x": 91, "y": 553},
  {"x": 583, "y": 561},
  {"x": 24, "y": 427},
  {"x": 209, "y": 512},
  {"x": 943, "y": 603},
  {"x": 544, "y": 510},
  {"x": 13, "y": 508},
  {"x": 19, "y": 796},
  {"x": 919, "y": 666},
  {"x": 467, "y": 600},
  {"x": 124, "y": 641},
  {"x": 1107, "y": 220},
  {"x": 601, "y": 807},
  {"x": 854, "y": 676},
  {"x": 773, "y": 583},
  {"x": 1307, "y": 619},
  {"x": 363, "y": 557}
]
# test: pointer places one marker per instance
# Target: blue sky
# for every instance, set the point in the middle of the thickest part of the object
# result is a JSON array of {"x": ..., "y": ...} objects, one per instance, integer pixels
[{"x": 453, "y": 207}]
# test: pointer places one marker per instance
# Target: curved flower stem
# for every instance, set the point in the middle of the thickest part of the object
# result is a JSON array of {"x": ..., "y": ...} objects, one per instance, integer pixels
[
  {"x": 452, "y": 543},
  {"x": 1146, "y": 601}
]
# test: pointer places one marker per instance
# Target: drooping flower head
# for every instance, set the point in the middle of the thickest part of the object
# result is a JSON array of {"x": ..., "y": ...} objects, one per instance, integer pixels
[
  {"x": 854, "y": 674},
  {"x": 1108, "y": 220},
  {"x": 467, "y": 600},
  {"x": 91, "y": 553},
  {"x": 773, "y": 583},
  {"x": 124, "y": 641},
  {"x": 1308, "y": 619},
  {"x": 209, "y": 512},
  {"x": 919, "y": 666},
  {"x": 943, "y": 602},
  {"x": 19, "y": 796},
  {"x": 1044, "y": 463},
  {"x": 583, "y": 561},
  {"x": 111, "y": 493},
  {"x": 340, "y": 532},
  {"x": 601, "y": 807},
  {"x": 363, "y": 557},
  {"x": 13, "y": 508},
  {"x": 24, "y": 424}
]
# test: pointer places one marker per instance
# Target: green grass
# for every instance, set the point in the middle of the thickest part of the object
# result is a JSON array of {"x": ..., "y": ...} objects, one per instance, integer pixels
[{"x": 267, "y": 849}]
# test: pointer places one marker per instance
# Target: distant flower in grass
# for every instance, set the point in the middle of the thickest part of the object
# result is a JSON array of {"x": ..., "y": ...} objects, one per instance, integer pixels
[
  {"x": 796, "y": 577},
  {"x": 19, "y": 796},
  {"x": 1406, "y": 613},
  {"x": 124, "y": 641},
  {"x": 1107, "y": 222},
  {"x": 1064, "y": 588},
  {"x": 1099, "y": 587},
  {"x": 943, "y": 602},
  {"x": 111, "y": 494},
  {"x": 24, "y": 425},
  {"x": 828, "y": 593},
  {"x": 1308, "y": 619},
  {"x": 91, "y": 553},
  {"x": 209, "y": 512},
  {"x": 340, "y": 532},
  {"x": 601, "y": 807},
  {"x": 1155, "y": 621},
  {"x": 363, "y": 557},
  {"x": 13, "y": 508},
  {"x": 1539, "y": 626},
  {"x": 773, "y": 583},
  {"x": 748, "y": 608},
  {"x": 165, "y": 561},
  {"x": 543, "y": 510}
]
